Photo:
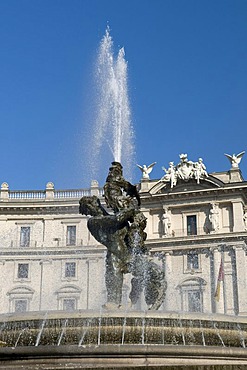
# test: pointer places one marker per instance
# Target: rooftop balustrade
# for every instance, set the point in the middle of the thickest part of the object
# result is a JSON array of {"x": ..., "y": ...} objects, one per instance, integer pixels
[
  {"x": 36, "y": 244},
  {"x": 50, "y": 193},
  {"x": 26, "y": 194}
]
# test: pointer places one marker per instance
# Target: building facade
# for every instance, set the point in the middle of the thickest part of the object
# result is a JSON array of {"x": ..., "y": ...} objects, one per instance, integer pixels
[{"x": 196, "y": 231}]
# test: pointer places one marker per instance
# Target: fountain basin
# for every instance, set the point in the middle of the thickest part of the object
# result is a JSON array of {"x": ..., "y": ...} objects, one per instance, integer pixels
[
  {"x": 121, "y": 339},
  {"x": 84, "y": 328}
]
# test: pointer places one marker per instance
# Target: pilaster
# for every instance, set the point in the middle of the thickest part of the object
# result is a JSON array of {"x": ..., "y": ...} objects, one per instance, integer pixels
[
  {"x": 238, "y": 222},
  {"x": 45, "y": 279},
  {"x": 94, "y": 274}
]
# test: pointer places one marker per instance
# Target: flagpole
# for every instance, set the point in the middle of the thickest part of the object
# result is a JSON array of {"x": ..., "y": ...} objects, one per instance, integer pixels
[{"x": 219, "y": 295}]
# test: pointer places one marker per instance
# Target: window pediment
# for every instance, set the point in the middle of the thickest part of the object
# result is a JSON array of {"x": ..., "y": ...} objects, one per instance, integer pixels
[
  {"x": 21, "y": 290},
  {"x": 192, "y": 283},
  {"x": 68, "y": 289}
]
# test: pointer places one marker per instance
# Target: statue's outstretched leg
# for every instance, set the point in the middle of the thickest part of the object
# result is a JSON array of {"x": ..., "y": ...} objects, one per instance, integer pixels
[
  {"x": 155, "y": 286},
  {"x": 137, "y": 288},
  {"x": 114, "y": 282}
]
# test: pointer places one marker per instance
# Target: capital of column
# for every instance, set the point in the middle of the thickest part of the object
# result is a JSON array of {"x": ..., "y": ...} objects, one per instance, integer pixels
[
  {"x": 45, "y": 262},
  {"x": 168, "y": 253},
  {"x": 92, "y": 260},
  {"x": 214, "y": 250}
]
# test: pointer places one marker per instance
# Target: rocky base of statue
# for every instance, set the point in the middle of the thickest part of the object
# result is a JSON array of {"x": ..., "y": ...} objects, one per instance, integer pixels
[{"x": 122, "y": 232}]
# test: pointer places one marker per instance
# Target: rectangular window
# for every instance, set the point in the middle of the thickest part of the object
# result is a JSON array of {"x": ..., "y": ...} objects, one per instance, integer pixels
[
  {"x": 191, "y": 225},
  {"x": 69, "y": 304},
  {"x": 192, "y": 261},
  {"x": 71, "y": 235},
  {"x": 20, "y": 305},
  {"x": 70, "y": 269},
  {"x": 25, "y": 236},
  {"x": 194, "y": 301},
  {"x": 22, "y": 272}
]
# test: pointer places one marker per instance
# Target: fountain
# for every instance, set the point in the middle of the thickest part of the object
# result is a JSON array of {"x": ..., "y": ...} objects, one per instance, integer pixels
[{"x": 117, "y": 336}]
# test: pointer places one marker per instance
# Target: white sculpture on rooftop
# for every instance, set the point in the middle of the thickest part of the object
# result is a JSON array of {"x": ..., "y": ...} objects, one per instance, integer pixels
[
  {"x": 200, "y": 170},
  {"x": 185, "y": 170},
  {"x": 146, "y": 170},
  {"x": 235, "y": 159},
  {"x": 170, "y": 174}
]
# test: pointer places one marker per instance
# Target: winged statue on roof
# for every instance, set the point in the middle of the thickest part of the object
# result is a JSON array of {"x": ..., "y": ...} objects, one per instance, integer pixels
[
  {"x": 235, "y": 159},
  {"x": 146, "y": 170}
]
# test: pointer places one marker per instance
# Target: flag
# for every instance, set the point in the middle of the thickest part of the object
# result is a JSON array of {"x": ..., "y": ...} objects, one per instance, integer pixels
[{"x": 220, "y": 279}]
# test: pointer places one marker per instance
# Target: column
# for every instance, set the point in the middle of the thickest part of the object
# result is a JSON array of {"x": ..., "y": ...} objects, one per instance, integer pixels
[
  {"x": 230, "y": 283},
  {"x": 219, "y": 303},
  {"x": 169, "y": 299},
  {"x": 241, "y": 271},
  {"x": 3, "y": 288}
]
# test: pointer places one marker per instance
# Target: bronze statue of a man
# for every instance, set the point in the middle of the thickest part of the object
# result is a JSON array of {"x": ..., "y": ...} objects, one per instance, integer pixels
[{"x": 123, "y": 234}]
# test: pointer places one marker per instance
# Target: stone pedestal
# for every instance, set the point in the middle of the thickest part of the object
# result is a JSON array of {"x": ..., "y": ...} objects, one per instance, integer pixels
[
  {"x": 4, "y": 191},
  {"x": 235, "y": 175}
]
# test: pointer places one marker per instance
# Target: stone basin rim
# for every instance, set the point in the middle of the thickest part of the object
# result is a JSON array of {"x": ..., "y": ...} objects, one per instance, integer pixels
[
  {"x": 104, "y": 350},
  {"x": 92, "y": 314}
]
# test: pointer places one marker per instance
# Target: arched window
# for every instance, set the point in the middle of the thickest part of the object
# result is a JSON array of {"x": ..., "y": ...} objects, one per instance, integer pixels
[
  {"x": 191, "y": 292},
  {"x": 20, "y": 298},
  {"x": 68, "y": 297}
]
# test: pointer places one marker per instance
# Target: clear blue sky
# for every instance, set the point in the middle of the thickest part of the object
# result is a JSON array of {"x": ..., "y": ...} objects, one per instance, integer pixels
[{"x": 187, "y": 63}]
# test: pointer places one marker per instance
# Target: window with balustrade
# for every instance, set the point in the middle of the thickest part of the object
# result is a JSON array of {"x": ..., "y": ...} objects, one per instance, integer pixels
[
  {"x": 25, "y": 236},
  {"x": 191, "y": 292},
  {"x": 191, "y": 225},
  {"x": 23, "y": 271},
  {"x": 70, "y": 270},
  {"x": 20, "y": 298},
  {"x": 192, "y": 261},
  {"x": 71, "y": 235},
  {"x": 68, "y": 297},
  {"x": 21, "y": 305},
  {"x": 69, "y": 304},
  {"x": 194, "y": 301}
]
